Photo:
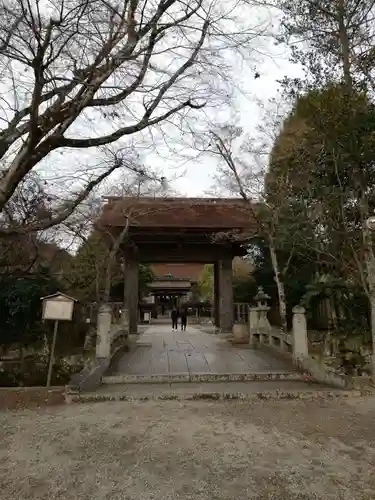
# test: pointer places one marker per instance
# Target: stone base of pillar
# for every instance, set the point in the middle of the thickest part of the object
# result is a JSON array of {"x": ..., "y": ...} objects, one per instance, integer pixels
[
  {"x": 241, "y": 333},
  {"x": 133, "y": 337},
  {"x": 225, "y": 334}
]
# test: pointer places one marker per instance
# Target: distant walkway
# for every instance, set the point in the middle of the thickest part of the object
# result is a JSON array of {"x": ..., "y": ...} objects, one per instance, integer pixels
[{"x": 161, "y": 351}]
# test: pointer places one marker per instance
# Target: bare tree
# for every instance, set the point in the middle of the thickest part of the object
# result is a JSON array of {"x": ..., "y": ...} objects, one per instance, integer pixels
[
  {"x": 331, "y": 40},
  {"x": 142, "y": 186},
  {"x": 101, "y": 242},
  {"x": 19, "y": 253},
  {"x": 83, "y": 74},
  {"x": 246, "y": 180}
]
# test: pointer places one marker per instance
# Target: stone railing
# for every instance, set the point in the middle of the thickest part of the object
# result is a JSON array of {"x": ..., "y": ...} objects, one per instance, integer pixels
[
  {"x": 111, "y": 336},
  {"x": 241, "y": 312},
  {"x": 112, "y": 330},
  {"x": 258, "y": 332},
  {"x": 92, "y": 310}
]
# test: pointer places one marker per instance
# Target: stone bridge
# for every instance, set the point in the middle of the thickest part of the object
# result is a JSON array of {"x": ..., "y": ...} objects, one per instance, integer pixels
[{"x": 254, "y": 351}]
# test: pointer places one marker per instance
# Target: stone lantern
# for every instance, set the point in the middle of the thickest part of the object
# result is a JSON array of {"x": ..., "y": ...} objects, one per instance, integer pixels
[
  {"x": 261, "y": 298},
  {"x": 263, "y": 326}
]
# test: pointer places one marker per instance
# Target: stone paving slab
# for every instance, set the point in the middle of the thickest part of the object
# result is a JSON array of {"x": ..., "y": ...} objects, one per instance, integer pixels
[{"x": 161, "y": 351}]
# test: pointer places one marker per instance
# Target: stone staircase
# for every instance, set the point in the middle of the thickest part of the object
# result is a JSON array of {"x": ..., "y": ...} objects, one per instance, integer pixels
[
  {"x": 176, "y": 378},
  {"x": 211, "y": 386},
  {"x": 193, "y": 391}
]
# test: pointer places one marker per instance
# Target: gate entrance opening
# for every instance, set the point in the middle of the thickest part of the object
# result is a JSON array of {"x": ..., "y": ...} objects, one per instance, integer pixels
[{"x": 181, "y": 230}]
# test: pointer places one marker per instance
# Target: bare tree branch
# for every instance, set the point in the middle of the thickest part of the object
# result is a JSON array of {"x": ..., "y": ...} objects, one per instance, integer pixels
[{"x": 141, "y": 61}]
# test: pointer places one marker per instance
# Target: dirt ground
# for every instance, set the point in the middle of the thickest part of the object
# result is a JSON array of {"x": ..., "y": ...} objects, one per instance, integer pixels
[{"x": 294, "y": 450}]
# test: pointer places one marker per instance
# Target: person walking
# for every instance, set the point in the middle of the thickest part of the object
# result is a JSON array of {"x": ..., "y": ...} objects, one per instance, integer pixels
[
  {"x": 183, "y": 319},
  {"x": 174, "y": 317}
]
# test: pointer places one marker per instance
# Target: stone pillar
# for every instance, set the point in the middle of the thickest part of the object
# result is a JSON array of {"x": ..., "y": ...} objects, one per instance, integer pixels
[
  {"x": 226, "y": 295},
  {"x": 124, "y": 317},
  {"x": 131, "y": 292},
  {"x": 300, "y": 344},
  {"x": 103, "y": 328},
  {"x": 216, "y": 295},
  {"x": 253, "y": 323}
]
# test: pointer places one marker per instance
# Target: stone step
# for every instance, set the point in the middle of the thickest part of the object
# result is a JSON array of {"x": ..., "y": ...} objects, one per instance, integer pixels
[
  {"x": 204, "y": 377},
  {"x": 212, "y": 391}
]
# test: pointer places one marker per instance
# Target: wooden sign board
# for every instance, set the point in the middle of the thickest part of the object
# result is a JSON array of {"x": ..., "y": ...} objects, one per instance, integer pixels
[{"x": 58, "y": 307}]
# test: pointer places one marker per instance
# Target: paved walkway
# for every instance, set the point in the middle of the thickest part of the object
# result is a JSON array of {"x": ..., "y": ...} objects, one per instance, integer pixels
[{"x": 161, "y": 351}]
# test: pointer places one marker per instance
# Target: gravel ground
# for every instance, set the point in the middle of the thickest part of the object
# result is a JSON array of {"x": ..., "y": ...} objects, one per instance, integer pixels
[{"x": 281, "y": 450}]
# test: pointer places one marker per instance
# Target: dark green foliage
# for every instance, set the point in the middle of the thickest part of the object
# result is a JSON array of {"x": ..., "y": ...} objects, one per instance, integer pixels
[
  {"x": 87, "y": 270},
  {"x": 244, "y": 289},
  {"x": 34, "y": 372},
  {"x": 348, "y": 303},
  {"x": 324, "y": 161},
  {"x": 300, "y": 273},
  {"x": 145, "y": 276},
  {"x": 20, "y": 307}
]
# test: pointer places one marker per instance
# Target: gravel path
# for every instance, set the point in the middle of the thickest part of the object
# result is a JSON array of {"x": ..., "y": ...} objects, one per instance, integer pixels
[{"x": 281, "y": 450}]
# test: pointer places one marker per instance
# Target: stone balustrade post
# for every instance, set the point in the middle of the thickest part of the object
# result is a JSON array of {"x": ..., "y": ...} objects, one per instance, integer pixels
[
  {"x": 103, "y": 343},
  {"x": 253, "y": 323},
  {"x": 300, "y": 344}
]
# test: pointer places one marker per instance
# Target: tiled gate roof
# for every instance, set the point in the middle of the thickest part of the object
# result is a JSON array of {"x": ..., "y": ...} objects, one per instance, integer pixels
[{"x": 218, "y": 213}]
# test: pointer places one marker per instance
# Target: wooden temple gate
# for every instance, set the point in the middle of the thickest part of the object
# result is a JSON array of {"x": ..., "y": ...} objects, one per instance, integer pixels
[{"x": 184, "y": 230}]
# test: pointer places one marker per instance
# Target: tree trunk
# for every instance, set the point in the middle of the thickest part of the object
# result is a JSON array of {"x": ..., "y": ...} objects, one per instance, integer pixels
[
  {"x": 108, "y": 276},
  {"x": 370, "y": 264},
  {"x": 372, "y": 304},
  {"x": 370, "y": 272},
  {"x": 345, "y": 46},
  {"x": 280, "y": 286},
  {"x": 111, "y": 260},
  {"x": 22, "y": 363}
]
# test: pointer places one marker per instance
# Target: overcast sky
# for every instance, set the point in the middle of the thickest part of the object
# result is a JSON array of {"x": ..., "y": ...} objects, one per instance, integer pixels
[
  {"x": 194, "y": 177},
  {"x": 66, "y": 170},
  {"x": 198, "y": 178}
]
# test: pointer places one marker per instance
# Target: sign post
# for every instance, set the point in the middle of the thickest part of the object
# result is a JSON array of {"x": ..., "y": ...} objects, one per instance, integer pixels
[
  {"x": 51, "y": 358},
  {"x": 56, "y": 307}
]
